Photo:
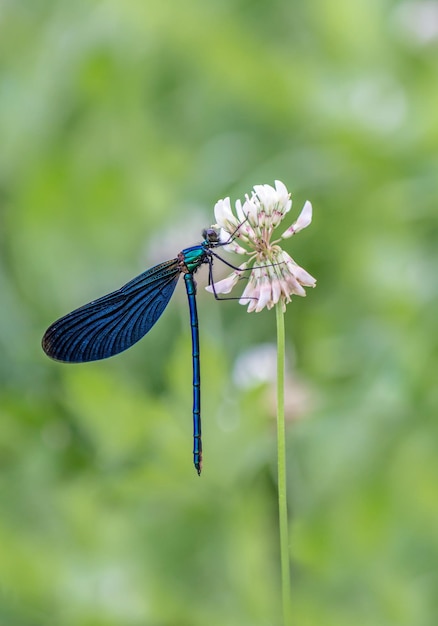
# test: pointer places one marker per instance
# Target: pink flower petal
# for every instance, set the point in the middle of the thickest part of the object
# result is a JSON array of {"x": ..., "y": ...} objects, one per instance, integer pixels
[{"x": 304, "y": 219}]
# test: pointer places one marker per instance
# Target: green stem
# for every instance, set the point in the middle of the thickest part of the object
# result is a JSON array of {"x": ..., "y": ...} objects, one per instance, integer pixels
[{"x": 281, "y": 445}]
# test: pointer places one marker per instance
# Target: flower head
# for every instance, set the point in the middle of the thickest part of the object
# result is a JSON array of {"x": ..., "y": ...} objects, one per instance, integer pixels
[{"x": 274, "y": 274}]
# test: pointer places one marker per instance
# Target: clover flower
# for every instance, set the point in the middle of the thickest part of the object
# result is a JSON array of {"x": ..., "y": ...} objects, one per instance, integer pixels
[{"x": 274, "y": 276}]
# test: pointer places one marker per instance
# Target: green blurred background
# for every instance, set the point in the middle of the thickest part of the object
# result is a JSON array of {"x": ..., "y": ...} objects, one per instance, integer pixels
[{"x": 121, "y": 124}]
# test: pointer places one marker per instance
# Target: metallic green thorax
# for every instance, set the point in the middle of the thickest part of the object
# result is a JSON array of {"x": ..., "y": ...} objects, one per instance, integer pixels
[{"x": 192, "y": 258}]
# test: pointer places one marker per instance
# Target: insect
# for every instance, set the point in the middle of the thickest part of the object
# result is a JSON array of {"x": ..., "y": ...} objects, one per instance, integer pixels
[{"x": 115, "y": 322}]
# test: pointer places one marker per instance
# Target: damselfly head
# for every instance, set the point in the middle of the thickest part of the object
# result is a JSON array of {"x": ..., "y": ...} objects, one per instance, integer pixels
[{"x": 211, "y": 235}]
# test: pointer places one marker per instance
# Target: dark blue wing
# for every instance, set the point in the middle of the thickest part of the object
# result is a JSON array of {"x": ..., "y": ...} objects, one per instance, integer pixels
[{"x": 114, "y": 322}]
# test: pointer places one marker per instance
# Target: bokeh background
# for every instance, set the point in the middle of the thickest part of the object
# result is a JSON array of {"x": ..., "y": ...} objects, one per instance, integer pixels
[{"x": 121, "y": 124}]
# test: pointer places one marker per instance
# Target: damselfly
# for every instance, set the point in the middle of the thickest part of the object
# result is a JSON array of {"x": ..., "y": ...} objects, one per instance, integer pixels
[{"x": 113, "y": 323}]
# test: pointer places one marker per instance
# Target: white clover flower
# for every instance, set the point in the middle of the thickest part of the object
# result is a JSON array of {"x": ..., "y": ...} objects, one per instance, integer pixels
[{"x": 274, "y": 276}]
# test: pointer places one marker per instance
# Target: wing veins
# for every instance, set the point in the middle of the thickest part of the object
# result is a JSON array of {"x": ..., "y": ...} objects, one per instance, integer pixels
[{"x": 119, "y": 318}]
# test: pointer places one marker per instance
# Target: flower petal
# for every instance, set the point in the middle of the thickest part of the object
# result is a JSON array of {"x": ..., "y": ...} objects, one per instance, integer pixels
[
  {"x": 240, "y": 212},
  {"x": 225, "y": 285},
  {"x": 294, "y": 287},
  {"x": 304, "y": 219},
  {"x": 233, "y": 246},
  {"x": 283, "y": 197},
  {"x": 304, "y": 277},
  {"x": 265, "y": 297},
  {"x": 251, "y": 293},
  {"x": 224, "y": 216},
  {"x": 281, "y": 189}
]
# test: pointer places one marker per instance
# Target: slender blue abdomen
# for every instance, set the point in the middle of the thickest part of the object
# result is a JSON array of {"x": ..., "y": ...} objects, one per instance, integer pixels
[{"x": 197, "y": 442}]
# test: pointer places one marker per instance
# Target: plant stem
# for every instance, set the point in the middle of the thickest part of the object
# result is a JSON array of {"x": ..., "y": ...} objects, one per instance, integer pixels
[{"x": 281, "y": 452}]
